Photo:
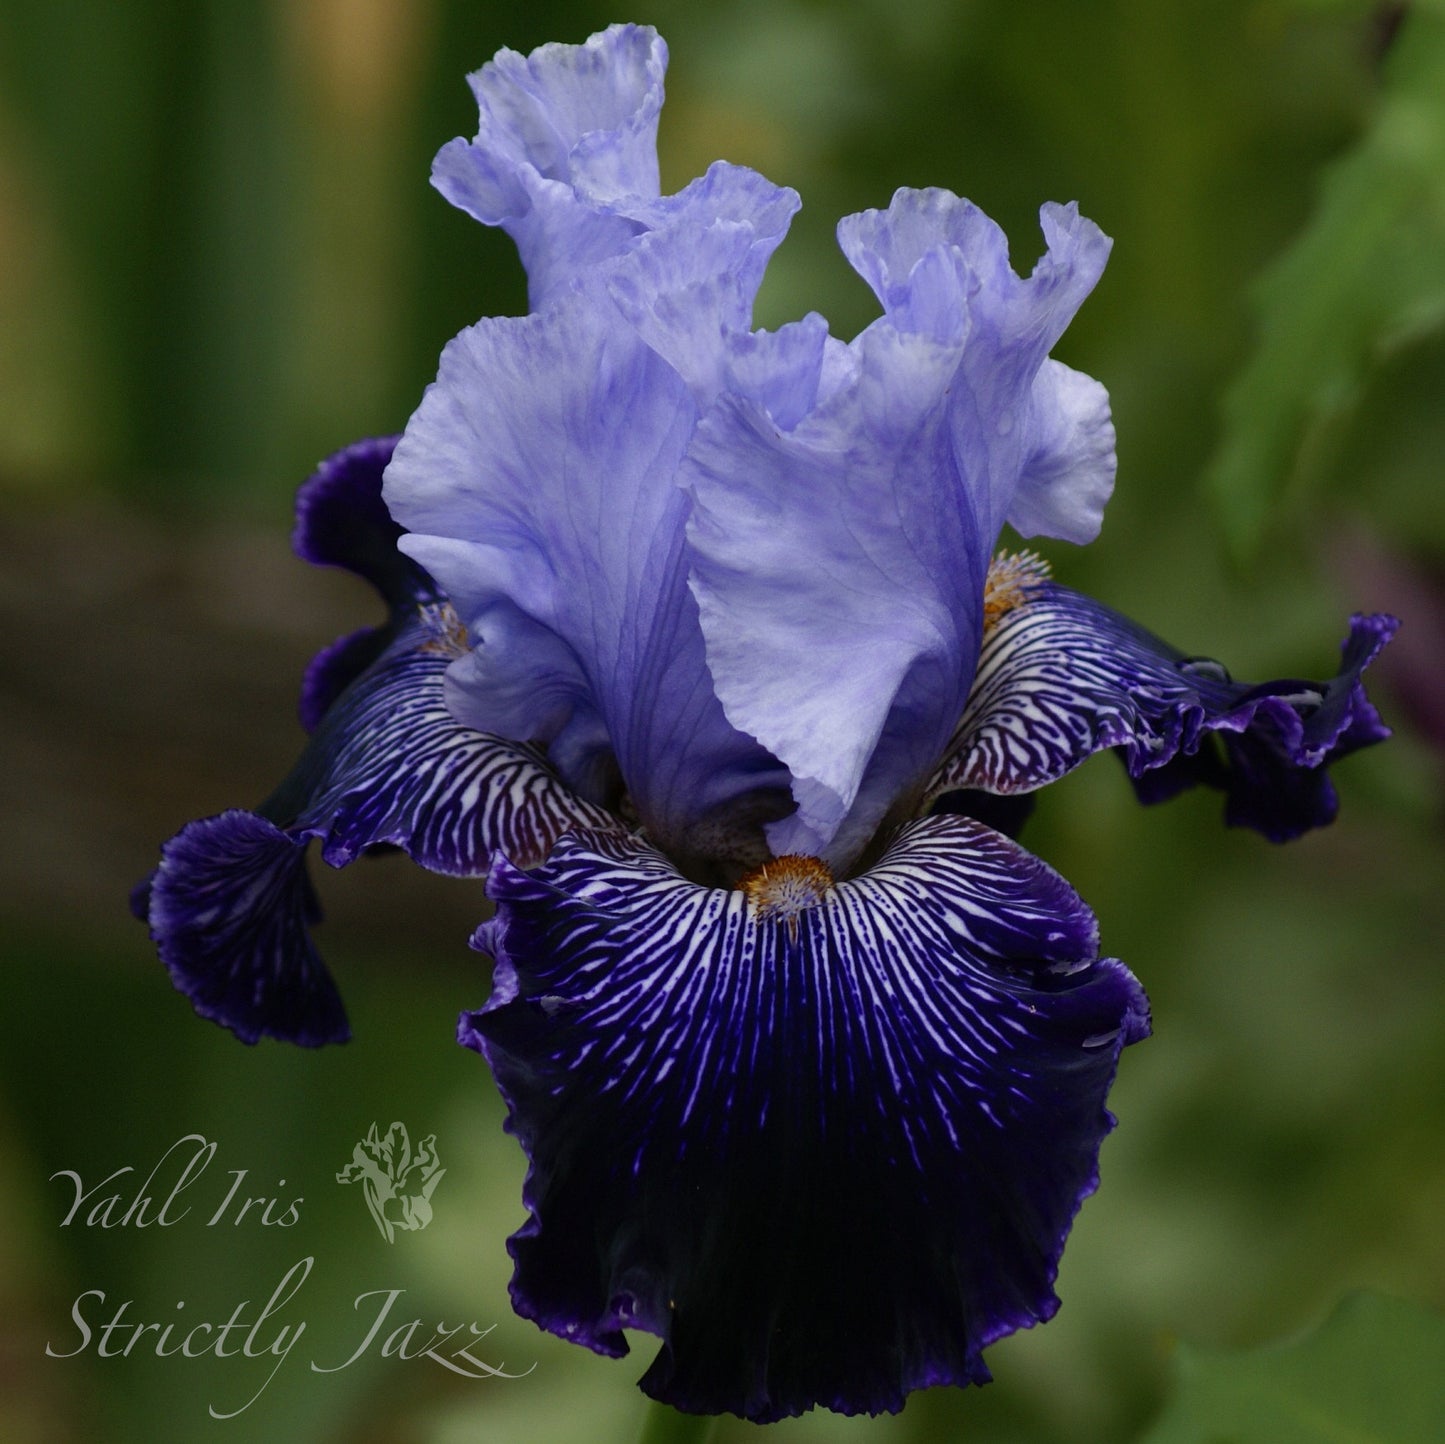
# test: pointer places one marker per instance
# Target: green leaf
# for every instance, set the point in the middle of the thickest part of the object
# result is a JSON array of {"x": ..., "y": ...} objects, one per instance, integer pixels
[
  {"x": 1372, "y": 1373},
  {"x": 1366, "y": 275}
]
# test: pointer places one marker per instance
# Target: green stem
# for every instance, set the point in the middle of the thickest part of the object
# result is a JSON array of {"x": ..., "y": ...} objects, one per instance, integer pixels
[{"x": 665, "y": 1425}]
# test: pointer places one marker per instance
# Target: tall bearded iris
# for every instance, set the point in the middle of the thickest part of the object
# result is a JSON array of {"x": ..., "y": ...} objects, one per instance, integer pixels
[{"x": 698, "y": 652}]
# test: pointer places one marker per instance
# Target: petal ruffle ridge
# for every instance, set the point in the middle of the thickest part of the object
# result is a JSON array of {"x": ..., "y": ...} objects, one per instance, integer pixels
[
  {"x": 1061, "y": 677},
  {"x": 826, "y": 1158},
  {"x": 567, "y": 137},
  {"x": 565, "y": 162}
]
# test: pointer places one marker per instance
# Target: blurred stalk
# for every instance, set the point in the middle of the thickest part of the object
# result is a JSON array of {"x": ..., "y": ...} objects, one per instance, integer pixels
[
  {"x": 355, "y": 67},
  {"x": 158, "y": 136}
]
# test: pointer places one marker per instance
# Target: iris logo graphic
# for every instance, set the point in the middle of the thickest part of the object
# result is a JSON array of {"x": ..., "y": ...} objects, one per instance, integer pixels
[{"x": 398, "y": 1183}]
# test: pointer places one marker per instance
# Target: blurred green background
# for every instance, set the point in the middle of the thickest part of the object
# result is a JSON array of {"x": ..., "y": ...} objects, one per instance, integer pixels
[{"x": 220, "y": 259}]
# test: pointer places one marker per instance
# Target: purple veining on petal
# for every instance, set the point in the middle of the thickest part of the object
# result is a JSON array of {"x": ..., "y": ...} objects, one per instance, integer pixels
[
  {"x": 826, "y": 1157},
  {"x": 1062, "y": 677},
  {"x": 388, "y": 765}
]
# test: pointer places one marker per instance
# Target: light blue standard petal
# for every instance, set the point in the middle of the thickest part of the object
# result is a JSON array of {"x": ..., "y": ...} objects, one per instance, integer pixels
[
  {"x": 687, "y": 287},
  {"x": 937, "y": 262},
  {"x": 825, "y": 1141},
  {"x": 1068, "y": 474},
  {"x": 566, "y": 147},
  {"x": 565, "y": 161},
  {"x": 538, "y": 478},
  {"x": 839, "y": 564},
  {"x": 836, "y": 592},
  {"x": 1061, "y": 677}
]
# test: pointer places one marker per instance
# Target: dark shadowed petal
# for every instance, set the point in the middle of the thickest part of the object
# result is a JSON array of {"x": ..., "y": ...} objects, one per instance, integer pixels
[
  {"x": 230, "y": 905},
  {"x": 230, "y": 908},
  {"x": 827, "y": 1153},
  {"x": 341, "y": 521},
  {"x": 1062, "y": 677}
]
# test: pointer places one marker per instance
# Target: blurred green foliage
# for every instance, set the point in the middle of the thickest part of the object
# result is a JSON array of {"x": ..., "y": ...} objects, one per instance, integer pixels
[
  {"x": 1373, "y": 1373},
  {"x": 219, "y": 259},
  {"x": 1365, "y": 278}
]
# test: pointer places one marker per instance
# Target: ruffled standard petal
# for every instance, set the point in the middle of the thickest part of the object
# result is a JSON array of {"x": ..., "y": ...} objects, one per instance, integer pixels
[
  {"x": 566, "y": 149},
  {"x": 538, "y": 481},
  {"x": 230, "y": 906},
  {"x": 1068, "y": 475},
  {"x": 565, "y": 161},
  {"x": 689, "y": 285},
  {"x": 1033, "y": 437},
  {"x": 836, "y": 635},
  {"x": 839, "y": 565},
  {"x": 1062, "y": 677},
  {"x": 827, "y": 1152}
]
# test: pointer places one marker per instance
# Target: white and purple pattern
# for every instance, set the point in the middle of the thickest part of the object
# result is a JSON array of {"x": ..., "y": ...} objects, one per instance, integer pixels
[
  {"x": 395, "y": 767},
  {"x": 933, "y": 1040},
  {"x": 690, "y": 627},
  {"x": 1061, "y": 676}
]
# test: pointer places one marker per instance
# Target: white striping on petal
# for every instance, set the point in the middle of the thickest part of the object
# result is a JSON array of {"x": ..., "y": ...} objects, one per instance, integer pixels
[{"x": 396, "y": 767}]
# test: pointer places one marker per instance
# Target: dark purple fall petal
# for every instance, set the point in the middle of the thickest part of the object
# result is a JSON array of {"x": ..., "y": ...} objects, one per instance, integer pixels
[
  {"x": 334, "y": 668},
  {"x": 388, "y": 765},
  {"x": 341, "y": 521},
  {"x": 230, "y": 906},
  {"x": 827, "y": 1158},
  {"x": 1062, "y": 677}
]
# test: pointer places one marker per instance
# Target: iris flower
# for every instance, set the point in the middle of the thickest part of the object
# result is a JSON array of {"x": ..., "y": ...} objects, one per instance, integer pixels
[{"x": 700, "y": 654}]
